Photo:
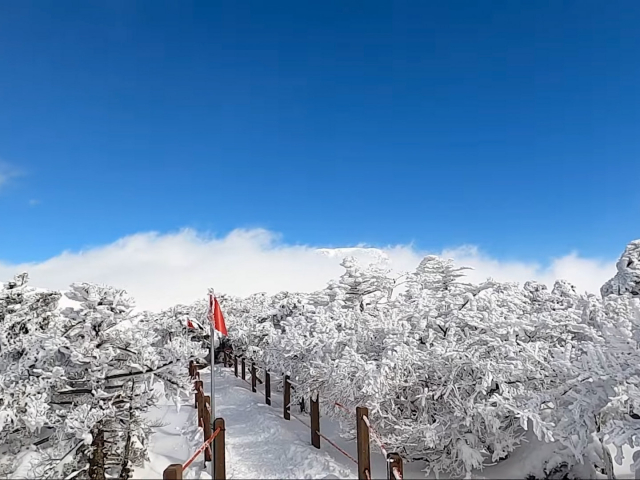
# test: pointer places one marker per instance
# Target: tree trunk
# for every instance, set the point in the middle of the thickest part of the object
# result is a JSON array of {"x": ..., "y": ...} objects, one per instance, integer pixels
[
  {"x": 96, "y": 463},
  {"x": 125, "y": 472}
]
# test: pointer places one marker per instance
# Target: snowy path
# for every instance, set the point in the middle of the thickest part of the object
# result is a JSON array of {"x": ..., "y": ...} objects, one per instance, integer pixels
[{"x": 261, "y": 444}]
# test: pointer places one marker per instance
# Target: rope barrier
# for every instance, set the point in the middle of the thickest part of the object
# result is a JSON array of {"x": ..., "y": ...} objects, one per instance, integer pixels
[
  {"x": 339, "y": 405},
  {"x": 301, "y": 421},
  {"x": 372, "y": 431},
  {"x": 375, "y": 436},
  {"x": 338, "y": 448},
  {"x": 329, "y": 441},
  {"x": 201, "y": 449}
]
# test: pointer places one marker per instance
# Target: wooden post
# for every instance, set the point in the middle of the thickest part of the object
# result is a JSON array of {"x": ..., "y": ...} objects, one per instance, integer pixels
[
  {"x": 244, "y": 375},
  {"x": 287, "y": 398},
  {"x": 362, "y": 435},
  {"x": 190, "y": 368},
  {"x": 173, "y": 472},
  {"x": 219, "y": 470},
  {"x": 302, "y": 409},
  {"x": 315, "y": 421},
  {"x": 235, "y": 364},
  {"x": 253, "y": 377},
  {"x": 394, "y": 461},
  {"x": 206, "y": 427},
  {"x": 198, "y": 387},
  {"x": 267, "y": 387}
]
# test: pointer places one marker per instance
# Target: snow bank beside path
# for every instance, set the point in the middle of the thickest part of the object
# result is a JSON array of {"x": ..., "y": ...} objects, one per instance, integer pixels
[{"x": 169, "y": 443}]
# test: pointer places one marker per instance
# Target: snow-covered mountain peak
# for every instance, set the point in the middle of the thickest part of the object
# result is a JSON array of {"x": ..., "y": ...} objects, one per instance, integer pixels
[{"x": 363, "y": 254}]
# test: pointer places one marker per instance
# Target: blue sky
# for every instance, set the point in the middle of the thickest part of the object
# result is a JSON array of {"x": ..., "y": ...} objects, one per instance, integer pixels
[{"x": 514, "y": 126}]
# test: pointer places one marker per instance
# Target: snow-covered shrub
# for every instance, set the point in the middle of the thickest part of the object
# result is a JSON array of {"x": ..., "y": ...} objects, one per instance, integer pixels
[
  {"x": 627, "y": 279},
  {"x": 453, "y": 373},
  {"x": 75, "y": 384},
  {"x": 28, "y": 367}
]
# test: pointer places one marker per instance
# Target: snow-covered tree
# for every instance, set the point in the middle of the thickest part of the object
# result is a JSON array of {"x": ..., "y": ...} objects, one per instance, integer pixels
[
  {"x": 75, "y": 385},
  {"x": 627, "y": 279},
  {"x": 455, "y": 374},
  {"x": 28, "y": 368}
]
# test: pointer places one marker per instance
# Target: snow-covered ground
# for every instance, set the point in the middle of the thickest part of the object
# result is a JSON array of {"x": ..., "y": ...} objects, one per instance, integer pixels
[{"x": 261, "y": 444}]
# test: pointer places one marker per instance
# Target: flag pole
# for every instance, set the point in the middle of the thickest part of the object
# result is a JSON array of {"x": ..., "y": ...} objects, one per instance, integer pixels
[{"x": 213, "y": 378}]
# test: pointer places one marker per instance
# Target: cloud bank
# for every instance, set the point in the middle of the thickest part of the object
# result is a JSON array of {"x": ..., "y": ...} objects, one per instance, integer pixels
[{"x": 161, "y": 270}]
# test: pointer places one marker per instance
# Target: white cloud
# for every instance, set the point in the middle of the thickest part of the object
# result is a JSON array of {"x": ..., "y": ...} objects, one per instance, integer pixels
[
  {"x": 7, "y": 172},
  {"x": 586, "y": 274},
  {"x": 160, "y": 270}
]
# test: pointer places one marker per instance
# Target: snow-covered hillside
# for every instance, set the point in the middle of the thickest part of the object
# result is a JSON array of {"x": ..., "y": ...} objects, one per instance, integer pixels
[{"x": 456, "y": 375}]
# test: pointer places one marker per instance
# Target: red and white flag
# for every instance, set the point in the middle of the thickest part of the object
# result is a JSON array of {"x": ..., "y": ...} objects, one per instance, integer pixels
[{"x": 215, "y": 315}]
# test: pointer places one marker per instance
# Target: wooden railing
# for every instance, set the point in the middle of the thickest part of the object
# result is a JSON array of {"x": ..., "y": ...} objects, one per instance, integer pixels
[
  {"x": 364, "y": 430},
  {"x": 217, "y": 436}
]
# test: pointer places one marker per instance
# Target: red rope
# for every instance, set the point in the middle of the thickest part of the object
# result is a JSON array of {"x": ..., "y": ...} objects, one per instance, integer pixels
[
  {"x": 339, "y": 405},
  {"x": 338, "y": 448},
  {"x": 375, "y": 436},
  {"x": 201, "y": 449},
  {"x": 327, "y": 439}
]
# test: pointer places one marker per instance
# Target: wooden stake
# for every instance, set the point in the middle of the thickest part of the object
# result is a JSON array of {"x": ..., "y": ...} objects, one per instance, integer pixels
[
  {"x": 394, "y": 460},
  {"x": 267, "y": 387},
  {"x": 253, "y": 377},
  {"x": 173, "y": 472},
  {"x": 287, "y": 398},
  {"x": 206, "y": 420},
  {"x": 219, "y": 470},
  {"x": 244, "y": 375},
  {"x": 199, "y": 394},
  {"x": 362, "y": 433},
  {"x": 235, "y": 364},
  {"x": 315, "y": 421}
]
